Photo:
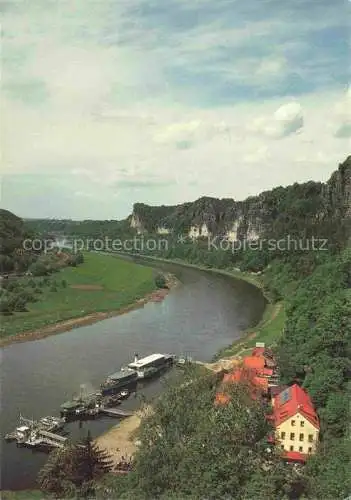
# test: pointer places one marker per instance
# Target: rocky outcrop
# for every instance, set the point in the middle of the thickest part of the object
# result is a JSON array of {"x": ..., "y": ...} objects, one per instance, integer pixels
[
  {"x": 136, "y": 223},
  {"x": 297, "y": 209}
]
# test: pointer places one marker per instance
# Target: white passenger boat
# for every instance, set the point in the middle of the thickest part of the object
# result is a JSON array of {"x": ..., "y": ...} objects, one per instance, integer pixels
[{"x": 151, "y": 365}]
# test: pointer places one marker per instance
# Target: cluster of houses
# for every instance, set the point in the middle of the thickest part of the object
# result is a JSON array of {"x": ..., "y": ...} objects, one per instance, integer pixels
[{"x": 293, "y": 416}]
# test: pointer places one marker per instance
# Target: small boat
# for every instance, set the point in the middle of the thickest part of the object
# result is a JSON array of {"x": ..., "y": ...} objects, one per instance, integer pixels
[
  {"x": 124, "y": 394},
  {"x": 52, "y": 423},
  {"x": 184, "y": 361}
]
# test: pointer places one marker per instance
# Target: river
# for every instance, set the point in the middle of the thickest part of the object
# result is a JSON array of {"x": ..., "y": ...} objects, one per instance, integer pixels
[{"x": 205, "y": 313}]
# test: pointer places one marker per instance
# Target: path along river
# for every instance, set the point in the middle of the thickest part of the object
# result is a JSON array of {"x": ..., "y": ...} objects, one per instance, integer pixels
[{"x": 203, "y": 314}]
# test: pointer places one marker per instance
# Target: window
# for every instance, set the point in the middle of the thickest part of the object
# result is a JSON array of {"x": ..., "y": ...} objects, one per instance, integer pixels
[
  {"x": 309, "y": 450},
  {"x": 292, "y": 436},
  {"x": 293, "y": 423},
  {"x": 291, "y": 448},
  {"x": 310, "y": 438},
  {"x": 282, "y": 435},
  {"x": 300, "y": 449},
  {"x": 301, "y": 437},
  {"x": 302, "y": 423}
]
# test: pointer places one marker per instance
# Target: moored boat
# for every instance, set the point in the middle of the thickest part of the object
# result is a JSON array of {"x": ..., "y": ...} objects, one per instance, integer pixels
[
  {"x": 151, "y": 365},
  {"x": 124, "y": 379},
  {"x": 79, "y": 405}
]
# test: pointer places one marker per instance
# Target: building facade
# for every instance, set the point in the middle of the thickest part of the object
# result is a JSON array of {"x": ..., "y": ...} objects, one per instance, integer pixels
[{"x": 296, "y": 423}]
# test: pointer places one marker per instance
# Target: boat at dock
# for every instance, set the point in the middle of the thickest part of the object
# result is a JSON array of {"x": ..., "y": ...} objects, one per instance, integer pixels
[
  {"x": 151, "y": 365},
  {"x": 52, "y": 423},
  {"x": 38, "y": 434},
  {"x": 124, "y": 379},
  {"x": 81, "y": 404}
]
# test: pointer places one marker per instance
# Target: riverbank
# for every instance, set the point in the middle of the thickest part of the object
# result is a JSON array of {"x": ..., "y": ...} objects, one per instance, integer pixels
[
  {"x": 102, "y": 287},
  {"x": 121, "y": 441},
  {"x": 252, "y": 278}
]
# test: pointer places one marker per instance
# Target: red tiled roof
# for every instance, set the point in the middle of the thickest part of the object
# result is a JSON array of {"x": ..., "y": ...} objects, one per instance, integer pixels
[
  {"x": 261, "y": 382},
  {"x": 291, "y": 401},
  {"x": 258, "y": 351},
  {"x": 295, "y": 456},
  {"x": 267, "y": 372},
  {"x": 243, "y": 375},
  {"x": 254, "y": 362}
]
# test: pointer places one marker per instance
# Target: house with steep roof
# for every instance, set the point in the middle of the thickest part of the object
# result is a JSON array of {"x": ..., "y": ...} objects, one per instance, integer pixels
[{"x": 296, "y": 423}]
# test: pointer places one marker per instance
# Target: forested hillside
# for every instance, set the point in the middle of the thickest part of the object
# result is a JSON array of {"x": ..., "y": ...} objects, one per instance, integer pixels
[
  {"x": 48, "y": 228},
  {"x": 312, "y": 208},
  {"x": 24, "y": 260},
  {"x": 314, "y": 350},
  {"x": 12, "y": 234}
]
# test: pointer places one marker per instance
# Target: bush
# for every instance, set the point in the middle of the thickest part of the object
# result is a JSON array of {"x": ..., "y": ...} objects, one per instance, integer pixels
[
  {"x": 79, "y": 258},
  {"x": 160, "y": 281},
  {"x": 6, "y": 303},
  {"x": 39, "y": 269},
  {"x": 19, "y": 302}
]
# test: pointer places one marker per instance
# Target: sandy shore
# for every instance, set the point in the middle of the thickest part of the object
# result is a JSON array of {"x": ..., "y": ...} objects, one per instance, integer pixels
[
  {"x": 120, "y": 441},
  {"x": 69, "y": 324}
]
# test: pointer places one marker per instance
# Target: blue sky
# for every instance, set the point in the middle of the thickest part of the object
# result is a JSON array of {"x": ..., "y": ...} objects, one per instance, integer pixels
[{"x": 107, "y": 103}]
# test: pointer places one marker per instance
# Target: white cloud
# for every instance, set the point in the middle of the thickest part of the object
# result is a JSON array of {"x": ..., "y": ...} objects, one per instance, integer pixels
[
  {"x": 286, "y": 120},
  {"x": 342, "y": 112},
  {"x": 118, "y": 114},
  {"x": 184, "y": 135}
]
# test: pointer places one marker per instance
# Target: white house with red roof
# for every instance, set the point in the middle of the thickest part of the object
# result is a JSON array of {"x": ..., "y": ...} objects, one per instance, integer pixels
[{"x": 296, "y": 423}]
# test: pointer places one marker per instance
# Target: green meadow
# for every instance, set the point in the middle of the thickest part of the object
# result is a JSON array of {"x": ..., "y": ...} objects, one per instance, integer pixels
[
  {"x": 268, "y": 331},
  {"x": 107, "y": 284}
]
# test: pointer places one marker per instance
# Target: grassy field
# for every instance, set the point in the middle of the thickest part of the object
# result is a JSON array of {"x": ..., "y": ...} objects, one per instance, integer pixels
[
  {"x": 268, "y": 331},
  {"x": 117, "y": 283}
]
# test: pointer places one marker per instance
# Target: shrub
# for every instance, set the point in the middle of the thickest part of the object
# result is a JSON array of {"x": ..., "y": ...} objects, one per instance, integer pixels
[{"x": 160, "y": 281}]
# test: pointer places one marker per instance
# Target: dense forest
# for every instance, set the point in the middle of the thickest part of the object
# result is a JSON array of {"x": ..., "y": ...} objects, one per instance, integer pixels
[{"x": 55, "y": 228}]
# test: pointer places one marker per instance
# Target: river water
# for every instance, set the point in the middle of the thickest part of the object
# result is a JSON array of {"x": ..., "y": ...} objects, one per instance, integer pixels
[{"x": 205, "y": 313}]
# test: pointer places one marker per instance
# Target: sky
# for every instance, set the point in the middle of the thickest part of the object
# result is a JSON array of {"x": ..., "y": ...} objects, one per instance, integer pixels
[{"x": 110, "y": 102}]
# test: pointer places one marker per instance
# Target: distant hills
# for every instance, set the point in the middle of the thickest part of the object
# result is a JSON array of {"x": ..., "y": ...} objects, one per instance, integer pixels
[{"x": 311, "y": 208}]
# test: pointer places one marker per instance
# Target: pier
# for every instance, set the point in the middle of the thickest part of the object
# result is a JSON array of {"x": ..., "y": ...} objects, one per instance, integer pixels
[
  {"x": 51, "y": 439},
  {"x": 34, "y": 434},
  {"x": 116, "y": 412}
]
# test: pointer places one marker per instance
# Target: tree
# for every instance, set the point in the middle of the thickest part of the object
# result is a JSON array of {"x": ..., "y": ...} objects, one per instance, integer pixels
[
  {"x": 55, "y": 477},
  {"x": 74, "y": 469},
  {"x": 160, "y": 281},
  {"x": 191, "y": 448},
  {"x": 90, "y": 461}
]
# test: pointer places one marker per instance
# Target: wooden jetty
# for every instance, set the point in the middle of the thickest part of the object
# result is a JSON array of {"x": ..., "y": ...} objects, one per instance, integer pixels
[
  {"x": 36, "y": 437},
  {"x": 51, "y": 439},
  {"x": 34, "y": 433},
  {"x": 116, "y": 412}
]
